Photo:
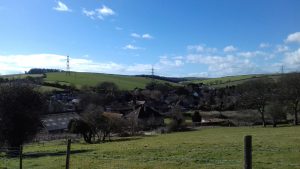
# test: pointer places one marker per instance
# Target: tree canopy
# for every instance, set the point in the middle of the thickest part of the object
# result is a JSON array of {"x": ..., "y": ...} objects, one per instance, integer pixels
[{"x": 20, "y": 109}]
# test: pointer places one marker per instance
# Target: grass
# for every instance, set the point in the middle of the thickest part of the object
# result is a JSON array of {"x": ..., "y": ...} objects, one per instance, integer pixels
[
  {"x": 20, "y": 76},
  {"x": 92, "y": 79},
  {"x": 217, "y": 148},
  {"x": 80, "y": 79},
  {"x": 233, "y": 80}
]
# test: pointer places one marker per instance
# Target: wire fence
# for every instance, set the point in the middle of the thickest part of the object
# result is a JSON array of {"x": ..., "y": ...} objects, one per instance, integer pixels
[{"x": 82, "y": 156}]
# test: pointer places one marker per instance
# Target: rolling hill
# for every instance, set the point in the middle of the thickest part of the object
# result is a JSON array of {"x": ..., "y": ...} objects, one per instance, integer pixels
[
  {"x": 91, "y": 79},
  {"x": 234, "y": 80},
  {"x": 126, "y": 82}
]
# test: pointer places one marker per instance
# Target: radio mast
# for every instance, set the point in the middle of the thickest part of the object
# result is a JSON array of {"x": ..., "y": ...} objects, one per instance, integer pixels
[{"x": 68, "y": 66}]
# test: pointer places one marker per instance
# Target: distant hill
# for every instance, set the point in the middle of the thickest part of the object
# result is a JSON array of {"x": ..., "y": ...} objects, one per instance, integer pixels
[
  {"x": 234, "y": 80},
  {"x": 173, "y": 79},
  {"x": 124, "y": 82}
]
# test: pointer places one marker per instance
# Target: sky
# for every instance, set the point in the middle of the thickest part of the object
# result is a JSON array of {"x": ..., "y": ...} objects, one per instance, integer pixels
[{"x": 199, "y": 38}]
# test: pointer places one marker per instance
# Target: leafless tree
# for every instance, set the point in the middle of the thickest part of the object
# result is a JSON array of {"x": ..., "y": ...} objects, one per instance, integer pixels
[
  {"x": 290, "y": 92},
  {"x": 255, "y": 94}
]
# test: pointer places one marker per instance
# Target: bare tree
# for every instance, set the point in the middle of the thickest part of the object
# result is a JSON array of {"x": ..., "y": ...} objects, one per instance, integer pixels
[
  {"x": 255, "y": 94},
  {"x": 276, "y": 110},
  {"x": 290, "y": 92}
]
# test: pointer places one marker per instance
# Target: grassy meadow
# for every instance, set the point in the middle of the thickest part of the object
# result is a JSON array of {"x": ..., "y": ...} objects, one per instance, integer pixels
[
  {"x": 92, "y": 79},
  {"x": 233, "y": 80},
  {"x": 213, "y": 148}
]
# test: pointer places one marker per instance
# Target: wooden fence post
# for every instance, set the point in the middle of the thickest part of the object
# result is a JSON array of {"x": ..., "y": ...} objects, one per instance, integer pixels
[
  {"x": 21, "y": 156},
  {"x": 248, "y": 152},
  {"x": 68, "y": 154}
]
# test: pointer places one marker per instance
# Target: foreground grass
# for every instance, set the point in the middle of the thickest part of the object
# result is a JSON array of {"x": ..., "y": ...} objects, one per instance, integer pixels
[{"x": 220, "y": 148}]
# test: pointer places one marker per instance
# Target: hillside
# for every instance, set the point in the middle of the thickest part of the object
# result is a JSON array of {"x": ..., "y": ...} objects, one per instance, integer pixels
[
  {"x": 91, "y": 79},
  {"x": 126, "y": 82},
  {"x": 233, "y": 80},
  {"x": 173, "y": 79}
]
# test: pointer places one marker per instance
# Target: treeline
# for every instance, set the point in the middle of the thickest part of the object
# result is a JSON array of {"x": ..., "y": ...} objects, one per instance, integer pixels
[
  {"x": 42, "y": 71},
  {"x": 273, "y": 97}
]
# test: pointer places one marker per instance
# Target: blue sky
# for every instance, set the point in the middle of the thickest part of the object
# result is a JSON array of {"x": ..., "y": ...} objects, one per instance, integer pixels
[{"x": 207, "y": 38}]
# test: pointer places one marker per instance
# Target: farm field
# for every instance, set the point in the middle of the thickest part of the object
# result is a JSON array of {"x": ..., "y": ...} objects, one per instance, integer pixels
[
  {"x": 217, "y": 148},
  {"x": 20, "y": 76},
  {"x": 91, "y": 79},
  {"x": 80, "y": 79},
  {"x": 233, "y": 80}
]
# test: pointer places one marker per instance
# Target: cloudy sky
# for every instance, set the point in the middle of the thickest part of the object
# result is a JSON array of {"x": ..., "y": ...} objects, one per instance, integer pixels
[{"x": 207, "y": 38}]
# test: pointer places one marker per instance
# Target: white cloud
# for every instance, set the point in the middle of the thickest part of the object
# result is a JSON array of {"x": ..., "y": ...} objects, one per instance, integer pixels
[
  {"x": 147, "y": 36},
  {"x": 88, "y": 13},
  {"x": 201, "y": 48},
  {"x": 139, "y": 68},
  {"x": 264, "y": 45},
  {"x": 178, "y": 57},
  {"x": 131, "y": 47},
  {"x": 294, "y": 37},
  {"x": 282, "y": 48},
  {"x": 292, "y": 58},
  {"x": 223, "y": 65},
  {"x": 200, "y": 74},
  {"x": 62, "y": 7},
  {"x": 135, "y": 35},
  {"x": 105, "y": 11},
  {"x": 143, "y": 36},
  {"x": 21, "y": 63},
  {"x": 173, "y": 62},
  {"x": 13, "y": 64},
  {"x": 230, "y": 49},
  {"x": 252, "y": 54},
  {"x": 100, "y": 13}
]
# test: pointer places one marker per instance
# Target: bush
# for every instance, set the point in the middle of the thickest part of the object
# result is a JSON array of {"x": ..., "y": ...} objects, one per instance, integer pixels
[{"x": 20, "y": 109}]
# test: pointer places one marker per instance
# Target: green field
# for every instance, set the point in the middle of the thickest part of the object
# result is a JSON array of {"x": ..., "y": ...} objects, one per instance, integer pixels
[
  {"x": 217, "y": 148},
  {"x": 20, "y": 76},
  {"x": 233, "y": 80},
  {"x": 92, "y": 79}
]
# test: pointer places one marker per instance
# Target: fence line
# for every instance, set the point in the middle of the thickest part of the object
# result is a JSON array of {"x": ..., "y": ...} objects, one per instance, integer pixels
[{"x": 63, "y": 156}]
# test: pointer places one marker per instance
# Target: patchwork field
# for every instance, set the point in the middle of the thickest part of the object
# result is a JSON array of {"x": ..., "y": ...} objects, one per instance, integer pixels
[{"x": 218, "y": 148}]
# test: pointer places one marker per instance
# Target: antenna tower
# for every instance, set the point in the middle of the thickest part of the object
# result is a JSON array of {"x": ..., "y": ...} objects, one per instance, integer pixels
[
  {"x": 152, "y": 71},
  {"x": 68, "y": 66},
  {"x": 282, "y": 69},
  {"x": 152, "y": 74}
]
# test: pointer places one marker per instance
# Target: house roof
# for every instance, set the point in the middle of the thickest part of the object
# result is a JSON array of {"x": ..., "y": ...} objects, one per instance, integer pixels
[
  {"x": 60, "y": 121},
  {"x": 144, "y": 111}
]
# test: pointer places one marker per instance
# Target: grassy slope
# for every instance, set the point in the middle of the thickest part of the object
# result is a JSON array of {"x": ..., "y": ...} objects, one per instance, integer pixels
[
  {"x": 91, "y": 79},
  {"x": 222, "y": 148},
  {"x": 233, "y": 80},
  {"x": 20, "y": 76}
]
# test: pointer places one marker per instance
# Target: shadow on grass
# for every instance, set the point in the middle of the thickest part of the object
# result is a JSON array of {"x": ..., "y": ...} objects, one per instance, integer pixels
[
  {"x": 123, "y": 139},
  {"x": 58, "y": 153}
]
